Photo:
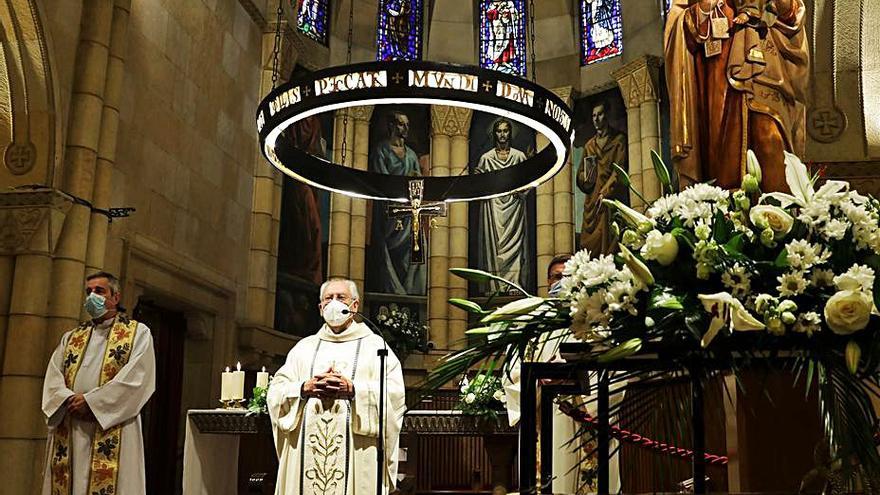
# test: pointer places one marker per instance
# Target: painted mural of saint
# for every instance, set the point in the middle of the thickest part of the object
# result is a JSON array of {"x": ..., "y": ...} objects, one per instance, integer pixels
[
  {"x": 502, "y": 234},
  {"x": 393, "y": 156}
]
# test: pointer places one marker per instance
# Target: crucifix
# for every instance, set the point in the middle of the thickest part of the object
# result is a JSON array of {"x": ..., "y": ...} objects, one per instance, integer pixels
[{"x": 417, "y": 211}]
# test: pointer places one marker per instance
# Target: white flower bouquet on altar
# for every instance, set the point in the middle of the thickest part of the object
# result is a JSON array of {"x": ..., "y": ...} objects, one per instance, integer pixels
[
  {"x": 402, "y": 328},
  {"x": 707, "y": 273},
  {"x": 482, "y": 396}
]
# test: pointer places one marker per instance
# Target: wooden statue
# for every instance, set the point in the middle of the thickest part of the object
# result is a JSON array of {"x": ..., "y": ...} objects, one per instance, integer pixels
[{"x": 737, "y": 73}]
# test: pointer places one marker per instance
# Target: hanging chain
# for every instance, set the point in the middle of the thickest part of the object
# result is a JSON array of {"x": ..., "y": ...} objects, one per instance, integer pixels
[
  {"x": 532, "y": 39},
  {"x": 277, "y": 48},
  {"x": 347, "y": 62}
]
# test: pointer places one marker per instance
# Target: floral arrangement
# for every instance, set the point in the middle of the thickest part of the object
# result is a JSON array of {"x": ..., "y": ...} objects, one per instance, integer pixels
[
  {"x": 257, "y": 404},
  {"x": 482, "y": 396},
  {"x": 707, "y": 273},
  {"x": 401, "y": 327}
]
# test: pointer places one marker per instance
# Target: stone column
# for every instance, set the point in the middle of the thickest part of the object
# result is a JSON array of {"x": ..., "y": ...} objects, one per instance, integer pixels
[
  {"x": 338, "y": 256},
  {"x": 99, "y": 223},
  {"x": 639, "y": 84},
  {"x": 358, "y": 222},
  {"x": 458, "y": 225},
  {"x": 443, "y": 126},
  {"x": 546, "y": 247},
  {"x": 34, "y": 220},
  {"x": 563, "y": 199},
  {"x": 266, "y": 199},
  {"x": 80, "y": 154},
  {"x": 7, "y": 271}
]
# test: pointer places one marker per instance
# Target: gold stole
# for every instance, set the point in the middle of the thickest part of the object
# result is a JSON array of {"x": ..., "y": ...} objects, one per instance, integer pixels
[{"x": 104, "y": 468}]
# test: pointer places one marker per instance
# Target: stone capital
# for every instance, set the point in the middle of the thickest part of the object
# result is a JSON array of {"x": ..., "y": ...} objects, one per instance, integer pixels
[
  {"x": 450, "y": 121},
  {"x": 31, "y": 221},
  {"x": 564, "y": 92},
  {"x": 639, "y": 80},
  {"x": 362, "y": 113}
]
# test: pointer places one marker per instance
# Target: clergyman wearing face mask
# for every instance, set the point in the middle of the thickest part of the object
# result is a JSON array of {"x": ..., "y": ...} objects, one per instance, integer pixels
[
  {"x": 99, "y": 378},
  {"x": 329, "y": 387}
]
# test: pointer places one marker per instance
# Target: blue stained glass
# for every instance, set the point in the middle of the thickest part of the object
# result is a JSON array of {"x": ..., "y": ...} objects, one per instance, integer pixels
[
  {"x": 400, "y": 30},
  {"x": 503, "y": 35},
  {"x": 601, "y": 30},
  {"x": 311, "y": 18}
]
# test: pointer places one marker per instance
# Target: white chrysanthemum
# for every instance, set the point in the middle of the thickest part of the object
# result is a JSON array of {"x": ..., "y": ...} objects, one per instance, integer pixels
[
  {"x": 835, "y": 229},
  {"x": 858, "y": 277},
  {"x": 791, "y": 284},
  {"x": 663, "y": 207},
  {"x": 808, "y": 323},
  {"x": 737, "y": 280},
  {"x": 802, "y": 255},
  {"x": 597, "y": 271},
  {"x": 822, "y": 277},
  {"x": 706, "y": 192},
  {"x": 692, "y": 212}
]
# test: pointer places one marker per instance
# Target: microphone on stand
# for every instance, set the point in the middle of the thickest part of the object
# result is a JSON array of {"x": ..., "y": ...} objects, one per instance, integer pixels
[{"x": 380, "y": 443}]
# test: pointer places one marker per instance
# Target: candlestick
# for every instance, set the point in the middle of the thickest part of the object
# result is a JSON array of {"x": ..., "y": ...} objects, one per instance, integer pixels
[
  {"x": 226, "y": 385},
  {"x": 237, "y": 383},
  {"x": 262, "y": 378}
]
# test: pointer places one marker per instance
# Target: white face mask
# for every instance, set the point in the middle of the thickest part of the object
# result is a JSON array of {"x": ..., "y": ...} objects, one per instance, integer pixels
[{"x": 333, "y": 313}]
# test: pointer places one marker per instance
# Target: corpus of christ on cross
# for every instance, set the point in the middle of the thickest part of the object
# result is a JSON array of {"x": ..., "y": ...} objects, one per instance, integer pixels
[{"x": 417, "y": 211}]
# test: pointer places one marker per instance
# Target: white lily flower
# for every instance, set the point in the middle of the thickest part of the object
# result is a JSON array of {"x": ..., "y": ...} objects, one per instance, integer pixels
[
  {"x": 726, "y": 310},
  {"x": 633, "y": 218},
  {"x": 639, "y": 270},
  {"x": 802, "y": 193}
]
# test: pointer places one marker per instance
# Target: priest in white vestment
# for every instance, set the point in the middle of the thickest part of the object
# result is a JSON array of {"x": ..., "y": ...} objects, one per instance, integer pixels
[
  {"x": 324, "y": 405},
  {"x": 570, "y": 458},
  {"x": 97, "y": 381},
  {"x": 502, "y": 247}
]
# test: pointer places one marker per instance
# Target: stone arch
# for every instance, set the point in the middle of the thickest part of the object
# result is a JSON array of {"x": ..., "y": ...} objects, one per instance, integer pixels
[{"x": 30, "y": 129}]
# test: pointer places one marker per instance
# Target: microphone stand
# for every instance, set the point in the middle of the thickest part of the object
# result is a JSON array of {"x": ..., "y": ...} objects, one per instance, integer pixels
[{"x": 380, "y": 443}]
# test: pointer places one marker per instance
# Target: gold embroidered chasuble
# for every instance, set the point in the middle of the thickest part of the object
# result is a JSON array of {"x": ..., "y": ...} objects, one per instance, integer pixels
[
  {"x": 112, "y": 365},
  {"x": 328, "y": 447}
]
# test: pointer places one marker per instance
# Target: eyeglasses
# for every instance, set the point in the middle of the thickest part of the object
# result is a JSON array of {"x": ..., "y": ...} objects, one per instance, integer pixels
[{"x": 339, "y": 297}]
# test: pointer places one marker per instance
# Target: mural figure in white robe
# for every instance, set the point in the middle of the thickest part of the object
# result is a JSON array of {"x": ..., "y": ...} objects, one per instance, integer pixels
[
  {"x": 324, "y": 405},
  {"x": 502, "y": 234}
]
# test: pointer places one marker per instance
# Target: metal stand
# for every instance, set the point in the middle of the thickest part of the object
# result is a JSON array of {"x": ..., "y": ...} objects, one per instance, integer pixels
[
  {"x": 380, "y": 443},
  {"x": 533, "y": 482}
]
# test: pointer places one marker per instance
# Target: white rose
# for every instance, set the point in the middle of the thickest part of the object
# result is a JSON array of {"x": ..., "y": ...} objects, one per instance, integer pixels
[
  {"x": 498, "y": 395},
  {"x": 773, "y": 218},
  {"x": 848, "y": 311},
  {"x": 660, "y": 247},
  {"x": 470, "y": 398}
]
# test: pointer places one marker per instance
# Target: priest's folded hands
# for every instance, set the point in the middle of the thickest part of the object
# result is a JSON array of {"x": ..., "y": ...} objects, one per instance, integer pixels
[
  {"x": 78, "y": 408},
  {"x": 329, "y": 385}
]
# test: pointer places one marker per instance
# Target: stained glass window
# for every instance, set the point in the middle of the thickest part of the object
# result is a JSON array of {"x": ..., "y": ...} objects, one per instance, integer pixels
[
  {"x": 601, "y": 30},
  {"x": 311, "y": 18},
  {"x": 503, "y": 35},
  {"x": 400, "y": 30}
]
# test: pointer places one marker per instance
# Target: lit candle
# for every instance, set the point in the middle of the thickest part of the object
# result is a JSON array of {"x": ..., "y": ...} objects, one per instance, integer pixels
[
  {"x": 262, "y": 378},
  {"x": 226, "y": 385},
  {"x": 237, "y": 392}
]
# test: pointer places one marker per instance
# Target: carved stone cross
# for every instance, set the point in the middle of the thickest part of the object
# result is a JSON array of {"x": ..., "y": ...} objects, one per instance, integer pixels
[{"x": 417, "y": 211}]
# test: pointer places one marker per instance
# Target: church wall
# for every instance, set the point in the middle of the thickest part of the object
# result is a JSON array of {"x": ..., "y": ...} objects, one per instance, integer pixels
[
  {"x": 452, "y": 37},
  {"x": 186, "y": 140}
]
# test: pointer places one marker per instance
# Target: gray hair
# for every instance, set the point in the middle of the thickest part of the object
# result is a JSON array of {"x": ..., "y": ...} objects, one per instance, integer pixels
[
  {"x": 352, "y": 287},
  {"x": 112, "y": 281}
]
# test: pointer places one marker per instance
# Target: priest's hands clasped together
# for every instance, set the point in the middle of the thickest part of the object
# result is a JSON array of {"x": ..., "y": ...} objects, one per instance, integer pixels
[
  {"x": 78, "y": 408},
  {"x": 328, "y": 385}
]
